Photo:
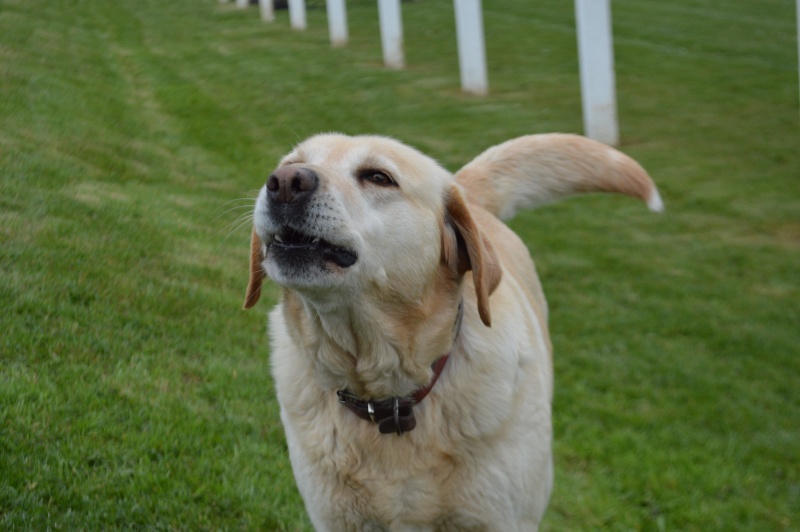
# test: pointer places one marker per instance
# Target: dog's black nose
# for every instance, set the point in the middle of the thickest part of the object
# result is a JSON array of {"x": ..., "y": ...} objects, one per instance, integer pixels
[{"x": 291, "y": 184}]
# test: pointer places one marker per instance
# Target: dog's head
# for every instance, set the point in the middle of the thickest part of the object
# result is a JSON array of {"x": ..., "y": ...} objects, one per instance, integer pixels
[{"x": 352, "y": 215}]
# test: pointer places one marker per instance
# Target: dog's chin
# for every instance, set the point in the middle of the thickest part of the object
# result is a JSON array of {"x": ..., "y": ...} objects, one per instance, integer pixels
[{"x": 297, "y": 260}]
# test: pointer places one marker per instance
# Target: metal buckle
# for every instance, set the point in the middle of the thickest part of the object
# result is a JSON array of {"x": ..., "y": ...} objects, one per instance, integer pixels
[{"x": 396, "y": 412}]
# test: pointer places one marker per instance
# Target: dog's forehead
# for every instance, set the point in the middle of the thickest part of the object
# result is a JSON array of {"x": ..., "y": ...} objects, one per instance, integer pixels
[{"x": 408, "y": 166}]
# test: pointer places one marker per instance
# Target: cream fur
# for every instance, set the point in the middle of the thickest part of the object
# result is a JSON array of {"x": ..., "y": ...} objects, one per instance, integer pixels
[{"x": 480, "y": 456}]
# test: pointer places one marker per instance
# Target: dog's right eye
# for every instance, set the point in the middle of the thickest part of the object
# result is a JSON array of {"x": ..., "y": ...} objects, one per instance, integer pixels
[{"x": 376, "y": 177}]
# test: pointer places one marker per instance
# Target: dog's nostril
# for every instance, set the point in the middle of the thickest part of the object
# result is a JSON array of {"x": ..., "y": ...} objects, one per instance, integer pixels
[
  {"x": 273, "y": 184},
  {"x": 302, "y": 183}
]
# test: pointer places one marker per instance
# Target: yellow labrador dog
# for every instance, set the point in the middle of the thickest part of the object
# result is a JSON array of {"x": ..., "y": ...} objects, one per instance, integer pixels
[{"x": 410, "y": 352}]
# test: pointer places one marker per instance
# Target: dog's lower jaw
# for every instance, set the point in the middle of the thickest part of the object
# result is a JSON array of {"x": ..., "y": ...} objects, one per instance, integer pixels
[{"x": 311, "y": 277}]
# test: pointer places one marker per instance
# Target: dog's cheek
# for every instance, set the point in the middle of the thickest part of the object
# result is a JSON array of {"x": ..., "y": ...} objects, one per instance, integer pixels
[{"x": 409, "y": 247}]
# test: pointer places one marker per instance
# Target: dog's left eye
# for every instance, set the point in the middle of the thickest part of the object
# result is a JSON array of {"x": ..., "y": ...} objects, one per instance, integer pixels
[{"x": 376, "y": 177}]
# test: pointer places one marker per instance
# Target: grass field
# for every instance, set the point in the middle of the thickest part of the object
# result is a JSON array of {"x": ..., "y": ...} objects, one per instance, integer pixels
[{"x": 135, "y": 393}]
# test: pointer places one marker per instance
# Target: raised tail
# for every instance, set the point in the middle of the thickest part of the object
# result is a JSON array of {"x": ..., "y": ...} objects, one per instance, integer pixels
[{"x": 534, "y": 170}]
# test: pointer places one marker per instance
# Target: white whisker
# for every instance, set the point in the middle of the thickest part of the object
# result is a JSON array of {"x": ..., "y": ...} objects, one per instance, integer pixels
[{"x": 243, "y": 207}]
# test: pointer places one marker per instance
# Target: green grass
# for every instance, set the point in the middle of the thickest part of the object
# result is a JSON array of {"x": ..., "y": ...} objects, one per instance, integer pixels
[{"x": 135, "y": 393}]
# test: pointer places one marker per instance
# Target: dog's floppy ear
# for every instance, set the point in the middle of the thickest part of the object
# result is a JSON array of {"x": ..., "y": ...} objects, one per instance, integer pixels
[
  {"x": 256, "y": 272},
  {"x": 466, "y": 248}
]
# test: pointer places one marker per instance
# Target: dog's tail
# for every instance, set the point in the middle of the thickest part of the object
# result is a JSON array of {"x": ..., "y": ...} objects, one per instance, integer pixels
[{"x": 534, "y": 170}]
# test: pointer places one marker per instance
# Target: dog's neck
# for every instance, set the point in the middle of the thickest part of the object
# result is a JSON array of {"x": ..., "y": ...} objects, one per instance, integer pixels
[{"x": 375, "y": 350}]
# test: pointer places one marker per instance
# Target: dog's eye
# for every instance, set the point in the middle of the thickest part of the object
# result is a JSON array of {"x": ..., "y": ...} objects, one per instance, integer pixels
[{"x": 376, "y": 177}]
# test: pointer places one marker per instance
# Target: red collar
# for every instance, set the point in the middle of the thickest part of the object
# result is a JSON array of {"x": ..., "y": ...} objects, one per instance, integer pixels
[
  {"x": 437, "y": 367},
  {"x": 396, "y": 414}
]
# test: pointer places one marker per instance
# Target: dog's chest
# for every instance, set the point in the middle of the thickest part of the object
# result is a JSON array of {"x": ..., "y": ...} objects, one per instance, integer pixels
[{"x": 381, "y": 484}]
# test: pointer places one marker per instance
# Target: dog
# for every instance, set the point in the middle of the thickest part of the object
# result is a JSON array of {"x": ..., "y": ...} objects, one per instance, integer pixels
[{"x": 410, "y": 352}]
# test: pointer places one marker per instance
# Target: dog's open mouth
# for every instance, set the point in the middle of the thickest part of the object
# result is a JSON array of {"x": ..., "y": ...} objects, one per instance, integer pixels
[{"x": 297, "y": 247}]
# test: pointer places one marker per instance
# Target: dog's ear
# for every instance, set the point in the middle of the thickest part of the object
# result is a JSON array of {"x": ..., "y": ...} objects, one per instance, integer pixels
[
  {"x": 256, "y": 272},
  {"x": 465, "y": 248}
]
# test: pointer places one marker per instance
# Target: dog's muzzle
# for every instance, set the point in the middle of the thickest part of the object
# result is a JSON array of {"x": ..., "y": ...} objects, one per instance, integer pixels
[{"x": 290, "y": 192}]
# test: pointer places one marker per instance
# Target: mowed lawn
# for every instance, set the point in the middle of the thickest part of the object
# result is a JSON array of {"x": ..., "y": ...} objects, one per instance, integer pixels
[{"x": 134, "y": 391}]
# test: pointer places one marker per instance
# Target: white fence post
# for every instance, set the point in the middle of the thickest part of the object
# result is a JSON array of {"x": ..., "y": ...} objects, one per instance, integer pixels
[
  {"x": 297, "y": 14},
  {"x": 337, "y": 21},
  {"x": 391, "y": 25},
  {"x": 471, "y": 46},
  {"x": 267, "y": 10},
  {"x": 596, "y": 56}
]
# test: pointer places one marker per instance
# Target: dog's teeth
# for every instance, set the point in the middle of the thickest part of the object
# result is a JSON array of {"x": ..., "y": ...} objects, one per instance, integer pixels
[
  {"x": 278, "y": 239},
  {"x": 314, "y": 241}
]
